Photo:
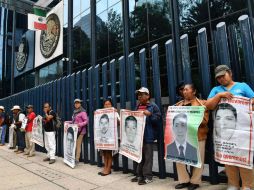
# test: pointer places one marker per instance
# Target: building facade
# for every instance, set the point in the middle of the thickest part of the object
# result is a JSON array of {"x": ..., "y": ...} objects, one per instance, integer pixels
[{"x": 102, "y": 30}]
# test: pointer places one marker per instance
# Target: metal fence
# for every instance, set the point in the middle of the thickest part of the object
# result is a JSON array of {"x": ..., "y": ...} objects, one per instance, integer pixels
[{"x": 96, "y": 83}]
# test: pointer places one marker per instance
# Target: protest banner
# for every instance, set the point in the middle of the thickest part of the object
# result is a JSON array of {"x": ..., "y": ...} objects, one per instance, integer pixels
[
  {"x": 37, "y": 132},
  {"x": 181, "y": 140},
  {"x": 132, "y": 132},
  {"x": 70, "y": 138},
  {"x": 233, "y": 132},
  {"x": 105, "y": 129}
]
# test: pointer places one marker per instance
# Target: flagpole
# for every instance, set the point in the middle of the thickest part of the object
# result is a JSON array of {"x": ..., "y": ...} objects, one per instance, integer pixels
[
  {"x": 70, "y": 36},
  {"x": 13, "y": 50}
]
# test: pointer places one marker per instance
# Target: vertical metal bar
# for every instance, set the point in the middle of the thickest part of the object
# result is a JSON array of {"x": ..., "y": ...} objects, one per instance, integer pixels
[
  {"x": 67, "y": 94},
  {"x": 78, "y": 77},
  {"x": 126, "y": 32},
  {"x": 54, "y": 95},
  {"x": 70, "y": 36},
  {"x": 13, "y": 50},
  {"x": 171, "y": 72},
  {"x": 84, "y": 97},
  {"x": 59, "y": 112},
  {"x": 104, "y": 80},
  {"x": 114, "y": 101},
  {"x": 222, "y": 44},
  {"x": 176, "y": 40},
  {"x": 204, "y": 61},
  {"x": 97, "y": 102},
  {"x": 234, "y": 53},
  {"x": 143, "y": 70},
  {"x": 93, "y": 32},
  {"x": 157, "y": 96},
  {"x": 132, "y": 81},
  {"x": 112, "y": 68},
  {"x": 186, "y": 58},
  {"x": 247, "y": 44},
  {"x": 91, "y": 110},
  {"x": 122, "y": 77},
  {"x": 72, "y": 93}
]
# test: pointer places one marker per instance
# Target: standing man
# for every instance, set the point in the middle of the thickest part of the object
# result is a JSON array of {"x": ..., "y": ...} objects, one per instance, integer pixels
[
  {"x": 227, "y": 89},
  {"x": 18, "y": 118},
  {"x": 153, "y": 119},
  {"x": 30, "y": 119},
  {"x": 49, "y": 135},
  {"x": 3, "y": 125}
]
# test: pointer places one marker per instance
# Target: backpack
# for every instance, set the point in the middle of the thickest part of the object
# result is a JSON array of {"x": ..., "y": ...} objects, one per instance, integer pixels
[{"x": 57, "y": 122}]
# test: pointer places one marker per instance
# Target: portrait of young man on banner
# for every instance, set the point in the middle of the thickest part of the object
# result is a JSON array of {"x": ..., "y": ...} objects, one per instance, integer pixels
[
  {"x": 233, "y": 132},
  {"x": 70, "y": 138},
  {"x": 37, "y": 132},
  {"x": 132, "y": 132},
  {"x": 105, "y": 129},
  {"x": 181, "y": 140}
]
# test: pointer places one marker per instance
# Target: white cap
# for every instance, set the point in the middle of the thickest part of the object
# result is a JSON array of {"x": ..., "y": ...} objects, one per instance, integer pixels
[
  {"x": 1, "y": 108},
  {"x": 15, "y": 108},
  {"x": 143, "y": 89},
  {"x": 77, "y": 100}
]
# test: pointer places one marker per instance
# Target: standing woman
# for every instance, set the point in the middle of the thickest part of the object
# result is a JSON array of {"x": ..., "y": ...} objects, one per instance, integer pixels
[
  {"x": 107, "y": 154},
  {"x": 80, "y": 118},
  {"x": 193, "y": 182}
]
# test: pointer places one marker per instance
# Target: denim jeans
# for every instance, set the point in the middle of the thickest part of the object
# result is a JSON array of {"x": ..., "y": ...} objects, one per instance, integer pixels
[
  {"x": 3, "y": 134},
  {"x": 21, "y": 140}
]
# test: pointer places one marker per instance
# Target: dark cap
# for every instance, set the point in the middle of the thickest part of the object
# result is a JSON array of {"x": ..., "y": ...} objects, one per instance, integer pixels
[
  {"x": 29, "y": 106},
  {"x": 221, "y": 70}
]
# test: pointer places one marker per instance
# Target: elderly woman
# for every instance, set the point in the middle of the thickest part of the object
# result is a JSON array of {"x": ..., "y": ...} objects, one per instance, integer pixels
[{"x": 193, "y": 182}]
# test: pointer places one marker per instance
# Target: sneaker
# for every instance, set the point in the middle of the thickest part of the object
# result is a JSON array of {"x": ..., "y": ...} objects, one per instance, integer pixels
[
  {"x": 76, "y": 162},
  {"x": 20, "y": 151},
  {"x": 16, "y": 150},
  {"x": 145, "y": 181},
  {"x": 232, "y": 188},
  {"x": 26, "y": 153},
  {"x": 46, "y": 159},
  {"x": 31, "y": 155},
  {"x": 135, "y": 179},
  {"x": 52, "y": 161}
]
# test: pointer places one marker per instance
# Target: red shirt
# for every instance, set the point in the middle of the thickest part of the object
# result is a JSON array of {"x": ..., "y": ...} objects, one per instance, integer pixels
[{"x": 30, "y": 118}]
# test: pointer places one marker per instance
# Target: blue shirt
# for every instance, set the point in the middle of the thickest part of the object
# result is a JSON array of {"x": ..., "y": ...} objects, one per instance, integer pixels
[{"x": 238, "y": 89}]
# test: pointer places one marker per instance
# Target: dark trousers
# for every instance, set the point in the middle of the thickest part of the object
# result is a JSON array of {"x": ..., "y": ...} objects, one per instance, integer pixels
[
  {"x": 144, "y": 168},
  {"x": 21, "y": 140}
]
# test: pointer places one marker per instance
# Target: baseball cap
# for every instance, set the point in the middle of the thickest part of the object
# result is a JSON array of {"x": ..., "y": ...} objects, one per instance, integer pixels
[
  {"x": 77, "y": 100},
  {"x": 221, "y": 70},
  {"x": 143, "y": 89},
  {"x": 29, "y": 106}
]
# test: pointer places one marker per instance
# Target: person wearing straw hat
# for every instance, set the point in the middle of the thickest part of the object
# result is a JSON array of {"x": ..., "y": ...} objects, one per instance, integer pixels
[
  {"x": 80, "y": 118},
  {"x": 18, "y": 118},
  {"x": 227, "y": 89},
  {"x": 30, "y": 147},
  {"x": 2, "y": 125}
]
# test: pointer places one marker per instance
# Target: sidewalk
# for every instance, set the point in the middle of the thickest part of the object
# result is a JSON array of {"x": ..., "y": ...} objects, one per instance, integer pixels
[{"x": 20, "y": 172}]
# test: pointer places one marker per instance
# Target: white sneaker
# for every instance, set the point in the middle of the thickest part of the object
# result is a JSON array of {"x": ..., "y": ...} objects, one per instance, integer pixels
[{"x": 232, "y": 188}]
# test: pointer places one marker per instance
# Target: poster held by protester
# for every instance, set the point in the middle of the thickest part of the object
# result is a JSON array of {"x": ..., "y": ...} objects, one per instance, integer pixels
[
  {"x": 233, "y": 132},
  {"x": 181, "y": 140},
  {"x": 105, "y": 129},
  {"x": 37, "y": 132},
  {"x": 11, "y": 131},
  {"x": 70, "y": 138},
  {"x": 132, "y": 132},
  {"x": 24, "y": 123}
]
